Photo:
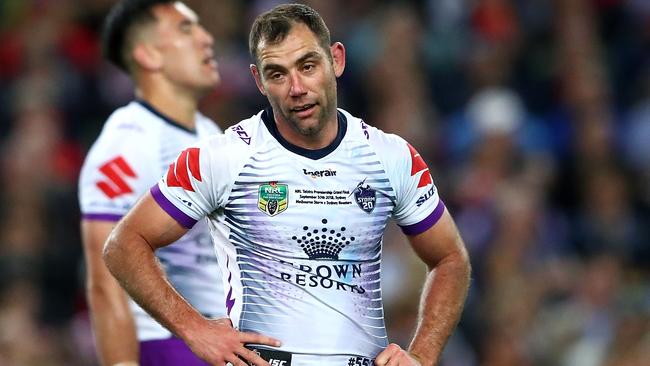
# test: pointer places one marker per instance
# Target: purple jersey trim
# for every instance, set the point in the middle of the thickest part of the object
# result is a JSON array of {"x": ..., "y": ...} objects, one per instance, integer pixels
[
  {"x": 167, "y": 352},
  {"x": 101, "y": 217},
  {"x": 425, "y": 224},
  {"x": 172, "y": 210},
  {"x": 230, "y": 301}
]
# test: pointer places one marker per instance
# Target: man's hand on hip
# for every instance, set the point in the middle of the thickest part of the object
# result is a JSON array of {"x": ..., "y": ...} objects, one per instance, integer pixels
[
  {"x": 394, "y": 355},
  {"x": 219, "y": 343}
]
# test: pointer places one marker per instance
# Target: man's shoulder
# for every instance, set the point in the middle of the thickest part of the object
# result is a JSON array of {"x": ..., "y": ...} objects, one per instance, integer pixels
[
  {"x": 237, "y": 142},
  {"x": 125, "y": 132},
  {"x": 131, "y": 118},
  {"x": 247, "y": 133},
  {"x": 359, "y": 129},
  {"x": 206, "y": 125}
]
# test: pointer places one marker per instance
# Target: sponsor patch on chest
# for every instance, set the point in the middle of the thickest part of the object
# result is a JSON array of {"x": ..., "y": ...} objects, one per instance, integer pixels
[{"x": 273, "y": 198}]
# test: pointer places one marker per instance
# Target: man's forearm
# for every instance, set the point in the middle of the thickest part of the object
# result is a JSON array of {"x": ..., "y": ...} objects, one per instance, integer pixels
[
  {"x": 442, "y": 301},
  {"x": 113, "y": 325},
  {"x": 133, "y": 263}
]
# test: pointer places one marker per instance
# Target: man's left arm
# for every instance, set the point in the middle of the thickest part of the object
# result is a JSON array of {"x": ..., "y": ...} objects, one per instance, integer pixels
[{"x": 443, "y": 295}]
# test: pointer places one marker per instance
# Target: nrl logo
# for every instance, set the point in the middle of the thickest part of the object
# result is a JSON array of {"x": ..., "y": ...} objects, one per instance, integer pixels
[
  {"x": 365, "y": 196},
  {"x": 273, "y": 198}
]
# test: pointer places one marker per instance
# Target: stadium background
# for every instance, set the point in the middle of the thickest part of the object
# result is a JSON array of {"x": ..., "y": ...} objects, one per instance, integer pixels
[{"x": 534, "y": 116}]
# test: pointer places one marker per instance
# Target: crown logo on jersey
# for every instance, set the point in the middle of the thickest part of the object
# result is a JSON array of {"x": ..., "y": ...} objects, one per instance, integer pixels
[
  {"x": 323, "y": 242},
  {"x": 365, "y": 196},
  {"x": 273, "y": 198}
]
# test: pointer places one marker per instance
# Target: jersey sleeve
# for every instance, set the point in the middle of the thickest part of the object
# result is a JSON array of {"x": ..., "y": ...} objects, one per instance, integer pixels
[
  {"x": 116, "y": 172},
  {"x": 418, "y": 205},
  {"x": 197, "y": 183}
]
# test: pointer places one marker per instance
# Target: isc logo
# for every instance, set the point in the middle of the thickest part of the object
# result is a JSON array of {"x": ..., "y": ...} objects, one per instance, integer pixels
[{"x": 275, "y": 358}]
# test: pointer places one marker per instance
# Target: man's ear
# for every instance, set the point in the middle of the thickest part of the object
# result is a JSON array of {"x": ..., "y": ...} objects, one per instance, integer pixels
[
  {"x": 258, "y": 78},
  {"x": 147, "y": 57},
  {"x": 338, "y": 58}
]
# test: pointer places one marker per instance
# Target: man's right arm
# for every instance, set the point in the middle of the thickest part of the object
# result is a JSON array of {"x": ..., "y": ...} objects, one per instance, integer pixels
[
  {"x": 113, "y": 325},
  {"x": 129, "y": 255}
]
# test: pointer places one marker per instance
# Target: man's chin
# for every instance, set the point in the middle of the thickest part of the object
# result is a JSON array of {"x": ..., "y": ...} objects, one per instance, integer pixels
[
  {"x": 210, "y": 81},
  {"x": 309, "y": 128},
  {"x": 207, "y": 88}
]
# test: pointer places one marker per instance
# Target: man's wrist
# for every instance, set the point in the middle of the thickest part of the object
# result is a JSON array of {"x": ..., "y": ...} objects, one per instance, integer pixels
[
  {"x": 186, "y": 330},
  {"x": 415, "y": 357}
]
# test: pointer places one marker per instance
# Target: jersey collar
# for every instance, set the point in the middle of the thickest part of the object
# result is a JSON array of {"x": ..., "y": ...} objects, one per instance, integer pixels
[
  {"x": 159, "y": 114},
  {"x": 269, "y": 121}
]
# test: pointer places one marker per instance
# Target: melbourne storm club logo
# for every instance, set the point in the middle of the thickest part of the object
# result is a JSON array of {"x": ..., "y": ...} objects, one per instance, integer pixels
[
  {"x": 365, "y": 196},
  {"x": 273, "y": 198}
]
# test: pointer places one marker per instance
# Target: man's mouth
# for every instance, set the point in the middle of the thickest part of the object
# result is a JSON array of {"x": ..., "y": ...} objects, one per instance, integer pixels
[
  {"x": 302, "y": 108},
  {"x": 209, "y": 60}
]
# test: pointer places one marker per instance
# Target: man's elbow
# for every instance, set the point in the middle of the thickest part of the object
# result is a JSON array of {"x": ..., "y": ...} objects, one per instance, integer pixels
[
  {"x": 458, "y": 263},
  {"x": 462, "y": 263},
  {"x": 111, "y": 251},
  {"x": 99, "y": 292},
  {"x": 465, "y": 262}
]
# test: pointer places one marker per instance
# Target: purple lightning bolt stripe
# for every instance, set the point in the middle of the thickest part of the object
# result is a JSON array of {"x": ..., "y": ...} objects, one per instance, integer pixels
[{"x": 230, "y": 302}]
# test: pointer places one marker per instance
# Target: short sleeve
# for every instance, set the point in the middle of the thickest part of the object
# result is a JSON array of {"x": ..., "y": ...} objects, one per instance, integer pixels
[
  {"x": 195, "y": 184},
  {"x": 116, "y": 172},
  {"x": 418, "y": 205}
]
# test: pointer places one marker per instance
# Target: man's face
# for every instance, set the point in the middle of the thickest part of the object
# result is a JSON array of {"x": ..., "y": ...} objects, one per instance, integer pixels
[
  {"x": 187, "y": 57},
  {"x": 299, "y": 80}
]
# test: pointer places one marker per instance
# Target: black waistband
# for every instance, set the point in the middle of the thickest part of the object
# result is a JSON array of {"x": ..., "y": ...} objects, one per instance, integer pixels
[{"x": 274, "y": 357}]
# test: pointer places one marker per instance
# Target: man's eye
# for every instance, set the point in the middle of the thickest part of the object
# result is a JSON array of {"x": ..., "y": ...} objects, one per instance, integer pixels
[
  {"x": 186, "y": 28},
  {"x": 308, "y": 67},
  {"x": 275, "y": 76}
]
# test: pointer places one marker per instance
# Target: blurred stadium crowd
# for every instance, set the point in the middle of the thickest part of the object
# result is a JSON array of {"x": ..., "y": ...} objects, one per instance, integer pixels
[{"x": 534, "y": 116}]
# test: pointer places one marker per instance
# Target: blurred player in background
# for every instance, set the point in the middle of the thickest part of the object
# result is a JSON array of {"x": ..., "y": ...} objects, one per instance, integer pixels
[
  {"x": 169, "y": 56},
  {"x": 302, "y": 191}
]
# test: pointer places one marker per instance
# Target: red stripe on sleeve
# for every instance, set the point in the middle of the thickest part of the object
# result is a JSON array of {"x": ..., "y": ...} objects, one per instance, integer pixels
[
  {"x": 417, "y": 163},
  {"x": 193, "y": 162},
  {"x": 182, "y": 173}
]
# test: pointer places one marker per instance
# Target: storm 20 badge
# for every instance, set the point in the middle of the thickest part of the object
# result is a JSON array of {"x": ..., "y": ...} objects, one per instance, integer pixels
[
  {"x": 365, "y": 196},
  {"x": 273, "y": 198}
]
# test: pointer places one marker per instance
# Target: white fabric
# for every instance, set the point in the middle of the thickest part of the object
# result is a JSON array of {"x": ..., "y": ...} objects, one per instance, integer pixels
[
  {"x": 305, "y": 268},
  {"x": 147, "y": 143}
]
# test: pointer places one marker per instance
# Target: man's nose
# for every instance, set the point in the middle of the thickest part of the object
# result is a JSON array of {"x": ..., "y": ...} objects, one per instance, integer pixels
[
  {"x": 205, "y": 36},
  {"x": 297, "y": 86}
]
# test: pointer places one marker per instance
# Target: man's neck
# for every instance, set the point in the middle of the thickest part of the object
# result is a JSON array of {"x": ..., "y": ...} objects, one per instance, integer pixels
[
  {"x": 180, "y": 107},
  {"x": 318, "y": 141}
]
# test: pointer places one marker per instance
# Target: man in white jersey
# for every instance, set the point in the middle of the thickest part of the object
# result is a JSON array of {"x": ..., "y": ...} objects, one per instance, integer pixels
[
  {"x": 303, "y": 192},
  {"x": 170, "y": 59}
]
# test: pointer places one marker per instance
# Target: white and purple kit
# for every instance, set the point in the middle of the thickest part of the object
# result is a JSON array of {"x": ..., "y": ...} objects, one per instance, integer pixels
[
  {"x": 299, "y": 232},
  {"x": 136, "y": 146}
]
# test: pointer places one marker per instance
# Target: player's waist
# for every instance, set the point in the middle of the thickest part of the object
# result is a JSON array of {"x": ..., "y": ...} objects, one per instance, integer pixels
[
  {"x": 149, "y": 329},
  {"x": 284, "y": 358}
]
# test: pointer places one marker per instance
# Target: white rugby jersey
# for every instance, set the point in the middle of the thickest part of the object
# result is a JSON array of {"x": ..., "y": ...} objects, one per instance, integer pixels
[
  {"x": 135, "y": 147},
  {"x": 299, "y": 232}
]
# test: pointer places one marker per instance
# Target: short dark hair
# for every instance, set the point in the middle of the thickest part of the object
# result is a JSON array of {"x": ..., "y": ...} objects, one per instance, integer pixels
[
  {"x": 123, "y": 18},
  {"x": 274, "y": 25}
]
